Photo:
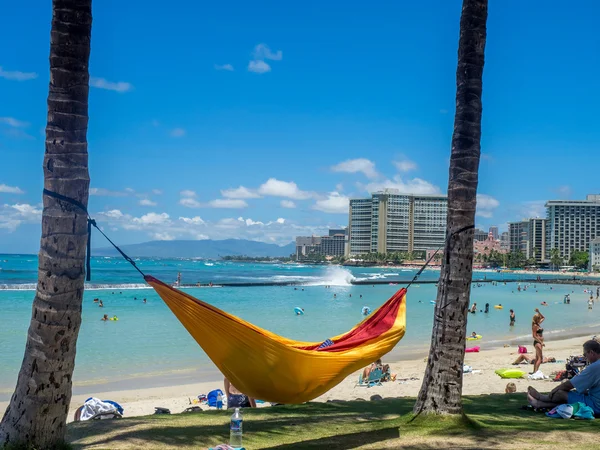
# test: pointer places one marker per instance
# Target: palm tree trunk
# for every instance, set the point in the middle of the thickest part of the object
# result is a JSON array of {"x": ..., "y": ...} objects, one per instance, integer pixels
[
  {"x": 37, "y": 413},
  {"x": 442, "y": 384}
]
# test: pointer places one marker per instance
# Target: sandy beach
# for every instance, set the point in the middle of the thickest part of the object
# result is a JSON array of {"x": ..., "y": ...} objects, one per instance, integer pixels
[{"x": 139, "y": 402}]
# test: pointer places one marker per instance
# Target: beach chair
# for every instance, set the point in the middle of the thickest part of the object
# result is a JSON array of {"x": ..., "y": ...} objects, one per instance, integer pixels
[{"x": 374, "y": 379}]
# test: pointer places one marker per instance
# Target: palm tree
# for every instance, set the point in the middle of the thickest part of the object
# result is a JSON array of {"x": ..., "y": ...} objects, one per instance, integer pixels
[
  {"x": 37, "y": 413},
  {"x": 442, "y": 383}
]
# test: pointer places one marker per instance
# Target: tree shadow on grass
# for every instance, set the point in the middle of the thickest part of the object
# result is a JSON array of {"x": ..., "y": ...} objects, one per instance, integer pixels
[
  {"x": 261, "y": 425},
  {"x": 344, "y": 441}
]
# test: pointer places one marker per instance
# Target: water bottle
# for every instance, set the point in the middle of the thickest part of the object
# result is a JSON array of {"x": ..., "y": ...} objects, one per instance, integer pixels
[
  {"x": 219, "y": 401},
  {"x": 235, "y": 429}
]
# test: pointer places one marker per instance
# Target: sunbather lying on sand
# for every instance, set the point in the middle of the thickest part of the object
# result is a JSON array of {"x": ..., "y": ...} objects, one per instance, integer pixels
[
  {"x": 584, "y": 387},
  {"x": 531, "y": 359}
]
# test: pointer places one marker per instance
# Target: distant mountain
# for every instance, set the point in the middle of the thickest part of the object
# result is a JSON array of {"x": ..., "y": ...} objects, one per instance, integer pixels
[{"x": 199, "y": 249}]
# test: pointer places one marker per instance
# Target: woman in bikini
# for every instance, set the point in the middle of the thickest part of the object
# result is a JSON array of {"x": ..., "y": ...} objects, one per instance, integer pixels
[
  {"x": 538, "y": 338},
  {"x": 235, "y": 399}
]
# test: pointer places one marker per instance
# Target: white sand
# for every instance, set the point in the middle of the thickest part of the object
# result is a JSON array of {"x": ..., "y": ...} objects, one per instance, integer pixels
[{"x": 139, "y": 402}]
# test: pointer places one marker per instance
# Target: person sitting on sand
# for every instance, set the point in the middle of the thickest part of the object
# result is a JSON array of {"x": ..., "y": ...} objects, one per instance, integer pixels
[
  {"x": 235, "y": 399},
  {"x": 531, "y": 359},
  {"x": 385, "y": 370},
  {"x": 583, "y": 387}
]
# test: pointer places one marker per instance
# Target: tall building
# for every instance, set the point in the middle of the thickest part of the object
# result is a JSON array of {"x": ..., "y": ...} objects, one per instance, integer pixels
[
  {"x": 537, "y": 235},
  {"x": 504, "y": 241},
  {"x": 494, "y": 231},
  {"x": 359, "y": 226},
  {"x": 480, "y": 235},
  {"x": 518, "y": 237},
  {"x": 573, "y": 224},
  {"x": 594, "y": 264},
  {"x": 393, "y": 222},
  {"x": 333, "y": 244}
]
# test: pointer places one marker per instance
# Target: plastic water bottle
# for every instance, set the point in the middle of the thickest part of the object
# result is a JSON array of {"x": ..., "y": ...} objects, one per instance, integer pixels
[
  {"x": 219, "y": 401},
  {"x": 235, "y": 429}
]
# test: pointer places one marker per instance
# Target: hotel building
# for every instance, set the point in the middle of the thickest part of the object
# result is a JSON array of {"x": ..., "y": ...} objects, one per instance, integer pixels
[
  {"x": 393, "y": 222},
  {"x": 573, "y": 224}
]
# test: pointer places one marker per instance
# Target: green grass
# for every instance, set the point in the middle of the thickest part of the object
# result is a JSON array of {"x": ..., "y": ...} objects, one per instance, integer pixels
[{"x": 492, "y": 421}]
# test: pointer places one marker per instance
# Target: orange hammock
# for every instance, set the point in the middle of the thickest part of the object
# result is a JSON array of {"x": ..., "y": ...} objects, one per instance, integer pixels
[{"x": 272, "y": 368}]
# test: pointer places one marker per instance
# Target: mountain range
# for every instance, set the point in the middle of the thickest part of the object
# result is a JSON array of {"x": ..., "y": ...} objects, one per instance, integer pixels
[{"x": 207, "y": 248}]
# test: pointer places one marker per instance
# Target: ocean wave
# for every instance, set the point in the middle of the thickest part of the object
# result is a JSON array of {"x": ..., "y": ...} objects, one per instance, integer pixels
[{"x": 88, "y": 287}]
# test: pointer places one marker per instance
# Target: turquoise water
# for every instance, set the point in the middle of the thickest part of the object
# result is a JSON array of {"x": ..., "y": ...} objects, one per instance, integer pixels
[{"x": 149, "y": 344}]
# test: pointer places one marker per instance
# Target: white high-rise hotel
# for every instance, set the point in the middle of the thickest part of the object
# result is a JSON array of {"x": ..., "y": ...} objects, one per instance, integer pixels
[
  {"x": 393, "y": 222},
  {"x": 573, "y": 224}
]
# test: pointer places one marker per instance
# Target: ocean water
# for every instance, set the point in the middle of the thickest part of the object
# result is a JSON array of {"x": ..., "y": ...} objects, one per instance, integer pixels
[{"x": 148, "y": 345}]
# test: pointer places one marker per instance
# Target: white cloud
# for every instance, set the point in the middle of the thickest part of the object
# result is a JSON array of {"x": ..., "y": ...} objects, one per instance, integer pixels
[
  {"x": 362, "y": 165},
  {"x": 414, "y": 186},
  {"x": 27, "y": 210},
  {"x": 405, "y": 165},
  {"x": 177, "y": 132},
  {"x": 258, "y": 67},
  {"x": 147, "y": 202},
  {"x": 240, "y": 192},
  {"x": 277, "y": 188},
  {"x": 16, "y": 75},
  {"x": 193, "y": 220},
  {"x": 160, "y": 226},
  {"x": 486, "y": 205},
  {"x": 287, "y": 204},
  {"x": 530, "y": 209},
  {"x": 157, "y": 191},
  {"x": 152, "y": 218},
  {"x": 102, "y": 83},
  {"x": 187, "y": 193},
  {"x": 564, "y": 191},
  {"x": 10, "y": 189},
  {"x": 189, "y": 202},
  {"x": 114, "y": 213},
  {"x": 334, "y": 203},
  {"x": 339, "y": 187},
  {"x": 227, "y": 67},
  {"x": 102, "y": 192},
  {"x": 12, "y": 122},
  {"x": 249, "y": 222},
  {"x": 12, "y": 216},
  {"x": 227, "y": 203},
  {"x": 163, "y": 236},
  {"x": 262, "y": 51}
]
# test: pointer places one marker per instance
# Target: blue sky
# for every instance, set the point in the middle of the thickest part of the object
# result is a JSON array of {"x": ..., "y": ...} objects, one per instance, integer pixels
[{"x": 302, "y": 106}]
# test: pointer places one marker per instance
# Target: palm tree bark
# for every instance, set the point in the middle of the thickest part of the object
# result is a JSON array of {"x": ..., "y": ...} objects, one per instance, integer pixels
[
  {"x": 37, "y": 413},
  {"x": 442, "y": 384}
]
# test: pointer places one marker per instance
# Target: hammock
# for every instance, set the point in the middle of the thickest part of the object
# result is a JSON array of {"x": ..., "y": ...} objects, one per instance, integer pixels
[{"x": 264, "y": 365}]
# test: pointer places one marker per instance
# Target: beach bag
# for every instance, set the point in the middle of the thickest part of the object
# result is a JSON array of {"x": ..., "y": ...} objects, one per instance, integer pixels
[
  {"x": 212, "y": 397},
  {"x": 574, "y": 365},
  {"x": 522, "y": 349}
]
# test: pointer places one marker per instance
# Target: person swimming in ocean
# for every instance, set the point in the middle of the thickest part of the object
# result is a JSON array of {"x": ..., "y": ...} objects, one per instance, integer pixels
[{"x": 105, "y": 318}]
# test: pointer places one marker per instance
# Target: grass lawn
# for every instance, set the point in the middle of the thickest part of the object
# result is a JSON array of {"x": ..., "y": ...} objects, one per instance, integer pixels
[{"x": 494, "y": 421}]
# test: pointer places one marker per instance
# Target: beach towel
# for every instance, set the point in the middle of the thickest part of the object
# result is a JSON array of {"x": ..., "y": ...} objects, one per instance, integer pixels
[
  {"x": 539, "y": 375},
  {"x": 95, "y": 408}
]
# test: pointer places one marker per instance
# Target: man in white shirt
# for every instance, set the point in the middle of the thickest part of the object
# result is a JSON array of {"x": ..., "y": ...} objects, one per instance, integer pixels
[{"x": 586, "y": 385}]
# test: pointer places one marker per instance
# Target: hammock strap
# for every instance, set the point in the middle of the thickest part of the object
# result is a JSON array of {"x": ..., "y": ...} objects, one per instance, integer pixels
[{"x": 91, "y": 222}]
